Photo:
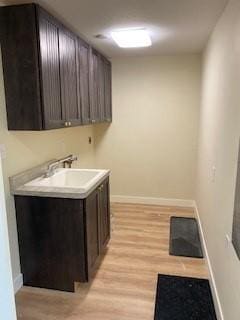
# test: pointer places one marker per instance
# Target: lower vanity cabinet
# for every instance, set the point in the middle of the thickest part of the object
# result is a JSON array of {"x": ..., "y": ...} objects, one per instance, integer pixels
[{"x": 61, "y": 240}]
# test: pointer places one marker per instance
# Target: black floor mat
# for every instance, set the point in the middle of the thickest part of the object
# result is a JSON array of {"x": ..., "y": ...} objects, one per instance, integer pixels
[
  {"x": 181, "y": 298},
  {"x": 184, "y": 238}
]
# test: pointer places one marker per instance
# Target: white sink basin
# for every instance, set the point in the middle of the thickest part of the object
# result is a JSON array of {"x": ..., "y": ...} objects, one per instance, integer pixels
[{"x": 80, "y": 179}]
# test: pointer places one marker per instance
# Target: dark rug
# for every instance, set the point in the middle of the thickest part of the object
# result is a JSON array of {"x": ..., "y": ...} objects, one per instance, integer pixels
[
  {"x": 184, "y": 238},
  {"x": 181, "y": 298}
]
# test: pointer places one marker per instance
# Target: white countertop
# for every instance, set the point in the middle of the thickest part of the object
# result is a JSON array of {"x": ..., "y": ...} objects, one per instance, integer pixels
[{"x": 74, "y": 185}]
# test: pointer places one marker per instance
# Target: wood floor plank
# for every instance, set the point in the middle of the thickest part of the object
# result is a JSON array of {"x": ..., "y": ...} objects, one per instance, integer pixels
[{"x": 125, "y": 284}]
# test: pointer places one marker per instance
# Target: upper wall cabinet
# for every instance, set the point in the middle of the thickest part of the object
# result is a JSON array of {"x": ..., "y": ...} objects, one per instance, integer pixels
[{"x": 52, "y": 78}]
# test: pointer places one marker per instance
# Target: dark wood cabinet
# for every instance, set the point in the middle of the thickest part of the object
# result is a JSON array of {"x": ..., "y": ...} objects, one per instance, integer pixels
[
  {"x": 52, "y": 78},
  {"x": 92, "y": 230},
  {"x": 69, "y": 79},
  {"x": 104, "y": 215},
  {"x": 100, "y": 88},
  {"x": 83, "y": 51},
  {"x": 53, "y": 114},
  {"x": 94, "y": 87},
  {"x": 51, "y": 246},
  {"x": 61, "y": 240},
  {"x": 97, "y": 224},
  {"x": 108, "y": 91},
  {"x": 19, "y": 46}
]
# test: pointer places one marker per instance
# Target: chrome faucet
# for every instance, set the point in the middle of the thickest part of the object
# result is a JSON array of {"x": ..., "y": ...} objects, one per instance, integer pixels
[{"x": 54, "y": 165}]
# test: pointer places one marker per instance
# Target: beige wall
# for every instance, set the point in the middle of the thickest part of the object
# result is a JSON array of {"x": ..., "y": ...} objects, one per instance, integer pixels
[
  {"x": 27, "y": 149},
  {"x": 151, "y": 145},
  {"x": 218, "y": 147}
]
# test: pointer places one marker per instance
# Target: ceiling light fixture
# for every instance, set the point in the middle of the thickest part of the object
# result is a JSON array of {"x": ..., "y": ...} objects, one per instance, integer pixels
[{"x": 131, "y": 38}]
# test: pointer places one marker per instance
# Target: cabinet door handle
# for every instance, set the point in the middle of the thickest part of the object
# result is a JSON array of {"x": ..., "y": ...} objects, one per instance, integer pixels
[{"x": 100, "y": 188}]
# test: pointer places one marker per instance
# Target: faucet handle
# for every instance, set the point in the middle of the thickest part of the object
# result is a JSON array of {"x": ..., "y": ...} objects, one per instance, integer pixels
[
  {"x": 70, "y": 160},
  {"x": 74, "y": 158}
]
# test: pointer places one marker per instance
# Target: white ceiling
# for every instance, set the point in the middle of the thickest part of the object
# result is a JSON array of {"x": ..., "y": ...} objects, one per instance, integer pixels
[{"x": 175, "y": 26}]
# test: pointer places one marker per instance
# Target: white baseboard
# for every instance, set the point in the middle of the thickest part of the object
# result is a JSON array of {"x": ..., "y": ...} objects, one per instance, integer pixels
[
  {"x": 18, "y": 283},
  {"x": 153, "y": 201},
  {"x": 212, "y": 281}
]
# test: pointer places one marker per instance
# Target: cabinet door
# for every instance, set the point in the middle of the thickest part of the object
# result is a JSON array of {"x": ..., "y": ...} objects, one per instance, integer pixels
[
  {"x": 51, "y": 241},
  {"x": 19, "y": 48},
  {"x": 94, "y": 90},
  {"x": 92, "y": 230},
  {"x": 50, "y": 72},
  {"x": 104, "y": 215},
  {"x": 83, "y": 78},
  {"x": 101, "y": 88},
  {"x": 108, "y": 91},
  {"x": 69, "y": 80}
]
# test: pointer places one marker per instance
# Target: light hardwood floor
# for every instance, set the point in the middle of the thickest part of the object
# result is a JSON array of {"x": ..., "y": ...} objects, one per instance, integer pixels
[{"x": 125, "y": 284}]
